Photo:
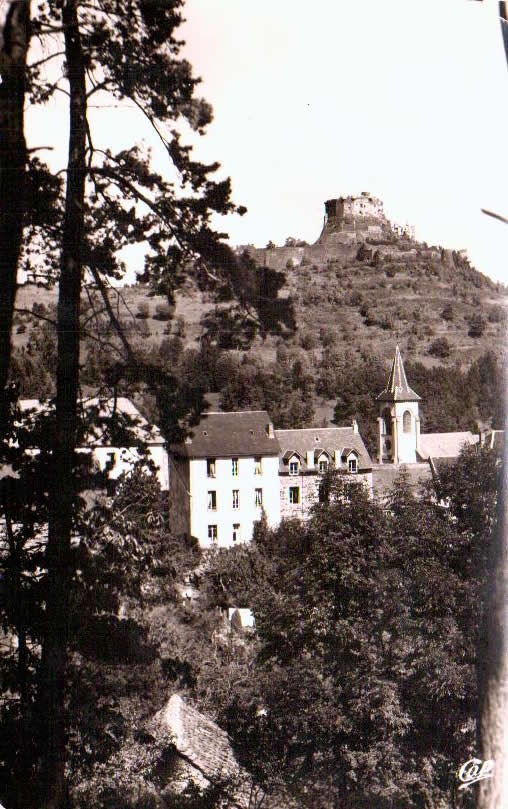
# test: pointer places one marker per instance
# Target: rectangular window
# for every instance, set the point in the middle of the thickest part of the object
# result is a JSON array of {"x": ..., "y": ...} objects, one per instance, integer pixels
[
  {"x": 212, "y": 533},
  {"x": 212, "y": 501},
  {"x": 236, "y": 498},
  {"x": 236, "y": 532},
  {"x": 294, "y": 467},
  {"x": 210, "y": 467},
  {"x": 294, "y": 494},
  {"x": 258, "y": 497},
  {"x": 257, "y": 466},
  {"x": 352, "y": 465},
  {"x": 234, "y": 467},
  {"x": 323, "y": 466}
]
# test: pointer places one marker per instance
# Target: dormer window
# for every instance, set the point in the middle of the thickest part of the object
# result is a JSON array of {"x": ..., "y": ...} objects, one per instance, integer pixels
[
  {"x": 352, "y": 465},
  {"x": 294, "y": 466},
  {"x": 323, "y": 465}
]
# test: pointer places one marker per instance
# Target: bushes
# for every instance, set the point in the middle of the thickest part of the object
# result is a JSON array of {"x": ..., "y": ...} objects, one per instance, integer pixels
[
  {"x": 308, "y": 340},
  {"x": 447, "y": 313},
  {"x": 440, "y": 348},
  {"x": 163, "y": 312},
  {"x": 497, "y": 314},
  {"x": 477, "y": 325},
  {"x": 143, "y": 311}
]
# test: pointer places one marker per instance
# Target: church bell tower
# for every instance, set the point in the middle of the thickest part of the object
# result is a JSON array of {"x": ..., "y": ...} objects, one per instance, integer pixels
[{"x": 398, "y": 420}]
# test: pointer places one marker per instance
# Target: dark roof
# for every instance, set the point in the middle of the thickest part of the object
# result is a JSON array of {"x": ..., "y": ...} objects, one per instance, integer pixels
[
  {"x": 226, "y": 435},
  {"x": 319, "y": 439},
  {"x": 397, "y": 388},
  {"x": 385, "y": 475}
]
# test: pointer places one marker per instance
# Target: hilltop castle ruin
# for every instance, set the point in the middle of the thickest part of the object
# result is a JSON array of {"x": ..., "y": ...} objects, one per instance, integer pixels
[
  {"x": 348, "y": 221},
  {"x": 351, "y": 218}
]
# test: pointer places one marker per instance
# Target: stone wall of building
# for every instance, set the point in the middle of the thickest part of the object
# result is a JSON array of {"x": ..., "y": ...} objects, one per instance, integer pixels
[{"x": 308, "y": 484}]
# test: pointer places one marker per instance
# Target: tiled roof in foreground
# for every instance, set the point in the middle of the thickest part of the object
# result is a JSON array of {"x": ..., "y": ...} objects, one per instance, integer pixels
[
  {"x": 206, "y": 751},
  {"x": 197, "y": 738}
]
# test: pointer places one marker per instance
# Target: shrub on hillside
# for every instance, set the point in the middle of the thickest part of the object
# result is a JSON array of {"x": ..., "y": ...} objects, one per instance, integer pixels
[
  {"x": 180, "y": 327},
  {"x": 497, "y": 314},
  {"x": 308, "y": 341},
  {"x": 327, "y": 337},
  {"x": 363, "y": 253},
  {"x": 354, "y": 298},
  {"x": 477, "y": 325},
  {"x": 440, "y": 348},
  {"x": 143, "y": 311},
  {"x": 447, "y": 313},
  {"x": 163, "y": 312}
]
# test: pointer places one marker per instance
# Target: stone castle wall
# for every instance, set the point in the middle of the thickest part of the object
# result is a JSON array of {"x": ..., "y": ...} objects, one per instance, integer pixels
[{"x": 277, "y": 257}]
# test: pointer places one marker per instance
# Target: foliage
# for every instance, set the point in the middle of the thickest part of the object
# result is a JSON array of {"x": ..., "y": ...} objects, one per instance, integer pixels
[
  {"x": 448, "y": 313},
  {"x": 363, "y": 690},
  {"x": 440, "y": 348},
  {"x": 477, "y": 325}
]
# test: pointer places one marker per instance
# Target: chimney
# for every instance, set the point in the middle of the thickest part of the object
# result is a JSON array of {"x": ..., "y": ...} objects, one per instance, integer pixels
[
  {"x": 310, "y": 458},
  {"x": 269, "y": 430},
  {"x": 355, "y": 426},
  {"x": 336, "y": 457}
]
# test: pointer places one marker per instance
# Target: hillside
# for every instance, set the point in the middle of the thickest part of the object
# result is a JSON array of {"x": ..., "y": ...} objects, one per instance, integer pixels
[
  {"x": 353, "y": 302},
  {"x": 371, "y": 295},
  {"x": 401, "y": 291}
]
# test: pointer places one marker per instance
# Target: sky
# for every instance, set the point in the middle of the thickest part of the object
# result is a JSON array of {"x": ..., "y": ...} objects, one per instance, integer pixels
[
  {"x": 407, "y": 100},
  {"x": 402, "y": 98}
]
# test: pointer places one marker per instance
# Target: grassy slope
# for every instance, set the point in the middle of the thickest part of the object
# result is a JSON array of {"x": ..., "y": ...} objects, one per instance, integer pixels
[{"x": 405, "y": 296}]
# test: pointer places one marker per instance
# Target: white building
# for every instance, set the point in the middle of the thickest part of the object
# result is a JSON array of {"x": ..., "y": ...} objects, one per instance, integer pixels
[
  {"x": 224, "y": 477},
  {"x": 115, "y": 436}
]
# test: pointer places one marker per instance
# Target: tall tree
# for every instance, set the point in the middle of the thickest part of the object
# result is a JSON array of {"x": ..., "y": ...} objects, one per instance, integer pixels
[
  {"x": 13, "y": 158},
  {"x": 126, "y": 51}
]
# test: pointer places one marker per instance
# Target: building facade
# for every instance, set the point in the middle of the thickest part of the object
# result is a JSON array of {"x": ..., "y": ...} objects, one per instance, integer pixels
[
  {"x": 235, "y": 469},
  {"x": 110, "y": 418},
  {"x": 224, "y": 478},
  {"x": 308, "y": 454}
]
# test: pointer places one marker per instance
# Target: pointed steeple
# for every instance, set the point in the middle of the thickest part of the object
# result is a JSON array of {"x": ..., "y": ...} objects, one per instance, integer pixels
[{"x": 397, "y": 389}]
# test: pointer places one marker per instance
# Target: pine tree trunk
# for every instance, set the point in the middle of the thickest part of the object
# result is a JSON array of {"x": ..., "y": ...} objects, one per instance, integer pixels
[
  {"x": 16, "y": 35},
  {"x": 493, "y": 680},
  {"x": 59, "y": 563}
]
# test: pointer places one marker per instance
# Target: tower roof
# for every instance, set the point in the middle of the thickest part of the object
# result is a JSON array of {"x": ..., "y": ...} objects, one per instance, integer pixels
[{"x": 397, "y": 388}]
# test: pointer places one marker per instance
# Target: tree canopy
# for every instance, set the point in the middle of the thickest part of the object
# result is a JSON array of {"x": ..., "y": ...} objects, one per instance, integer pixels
[{"x": 363, "y": 688}]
